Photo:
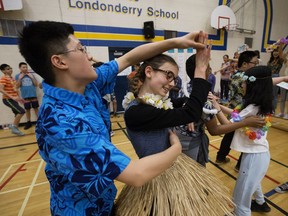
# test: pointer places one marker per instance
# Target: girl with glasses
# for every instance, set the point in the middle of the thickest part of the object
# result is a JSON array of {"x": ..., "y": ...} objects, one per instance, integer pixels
[{"x": 186, "y": 188}]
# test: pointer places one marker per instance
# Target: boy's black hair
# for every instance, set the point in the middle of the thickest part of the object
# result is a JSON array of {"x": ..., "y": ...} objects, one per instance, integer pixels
[
  {"x": 246, "y": 56},
  {"x": 22, "y": 63},
  {"x": 258, "y": 53},
  {"x": 38, "y": 41},
  {"x": 97, "y": 64},
  {"x": 3, "y": 66},
  {"x": 260, "y": 91},
  {"x": 190, "y": 66}
]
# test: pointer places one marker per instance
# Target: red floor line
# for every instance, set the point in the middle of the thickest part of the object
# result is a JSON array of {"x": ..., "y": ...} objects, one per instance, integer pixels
[
  {"x": 268, "y": 177},
  {"x": 228, "y": 155},
  {"x": 271, "y": 179},
  {"x": 18, "y": 170}
]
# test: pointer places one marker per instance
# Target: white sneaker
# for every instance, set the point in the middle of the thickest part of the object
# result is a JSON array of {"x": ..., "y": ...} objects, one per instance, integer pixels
[
  {"x": 279, "y": 115},
  {"x": 16, "y": 131},
  {"x": 282, "y": 188},
  {"x": 285, "y": 117},
  {"x": 112, "y": 133}
]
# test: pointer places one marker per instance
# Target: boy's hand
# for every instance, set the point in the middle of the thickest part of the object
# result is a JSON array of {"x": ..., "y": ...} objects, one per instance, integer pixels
[
  {"x": 202, "y": 60},
  {"x": 197, "y": 40},
  {"x": 30, "y": 75},
  {"x": 21, "y": 75},
  {"x": 190, "y": 127},
  {"x": 174, "y": 140},
  {"x": 19, "y": 99}
]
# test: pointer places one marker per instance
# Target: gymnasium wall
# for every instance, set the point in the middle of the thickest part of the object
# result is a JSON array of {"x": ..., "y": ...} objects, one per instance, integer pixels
[{"x": 119, "y": 23}]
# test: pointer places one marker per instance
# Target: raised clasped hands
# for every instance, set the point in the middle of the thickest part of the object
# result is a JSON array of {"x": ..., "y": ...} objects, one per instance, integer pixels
[
  {"x": 197, "y": 40},
  {"x": 203, "y": 55}
]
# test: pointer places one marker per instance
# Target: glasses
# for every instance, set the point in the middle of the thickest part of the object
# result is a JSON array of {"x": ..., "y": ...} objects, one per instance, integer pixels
[
  {"x": 169, "y": 74},
  {"x": 83, "y": 49}
]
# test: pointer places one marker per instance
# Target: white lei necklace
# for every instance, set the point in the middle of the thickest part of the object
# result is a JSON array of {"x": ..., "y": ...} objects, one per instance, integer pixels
[{"x": 151, "y": 99}]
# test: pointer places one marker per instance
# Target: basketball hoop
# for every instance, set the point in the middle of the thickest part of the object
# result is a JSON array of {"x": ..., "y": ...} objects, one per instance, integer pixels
[
  {"x": 231, "y": 27},
  {"x": 221, "y": 17}
]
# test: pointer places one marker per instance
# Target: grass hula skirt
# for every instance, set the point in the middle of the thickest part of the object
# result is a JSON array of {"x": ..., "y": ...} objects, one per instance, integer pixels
[{"x": 185, "y": 189}]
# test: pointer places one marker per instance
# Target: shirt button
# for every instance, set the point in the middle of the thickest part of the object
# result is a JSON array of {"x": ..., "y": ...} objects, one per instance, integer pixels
[
  {"x": 84, "y": 102},
  {"x": 59, "y": 103}
]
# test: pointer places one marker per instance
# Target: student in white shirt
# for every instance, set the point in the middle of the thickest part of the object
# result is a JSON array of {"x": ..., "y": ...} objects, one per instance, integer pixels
[{"x": 257, "y": 85}]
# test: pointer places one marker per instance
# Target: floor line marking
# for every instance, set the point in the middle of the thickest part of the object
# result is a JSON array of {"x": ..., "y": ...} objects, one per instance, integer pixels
[
  {"x": 270, "y": 193},
  {"x": 30, "y": 189},
  {"x": 19, "y": 145},
  {"x": 22, "y": 188},
  {"x": 279, "y": 163},
  {"x": 15, "y": 164},
  {"x": 122, "y": 143},
  {"x": 26, "y": 162},
  {"x": 214, "y": 140},
  {"x": 18, "y": 170},
  {"x": 5, "y": 173}
]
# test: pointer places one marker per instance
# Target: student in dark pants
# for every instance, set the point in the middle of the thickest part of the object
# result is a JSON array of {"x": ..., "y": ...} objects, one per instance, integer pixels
[{"x": 247, "y": 59}]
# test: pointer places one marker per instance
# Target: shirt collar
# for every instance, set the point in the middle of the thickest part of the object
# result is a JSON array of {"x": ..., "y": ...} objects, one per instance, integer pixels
[{"x": 62, "y": 95}]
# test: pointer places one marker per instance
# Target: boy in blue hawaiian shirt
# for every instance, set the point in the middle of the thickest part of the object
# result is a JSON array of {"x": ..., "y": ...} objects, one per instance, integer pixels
[{"x": 73, "y": 123}]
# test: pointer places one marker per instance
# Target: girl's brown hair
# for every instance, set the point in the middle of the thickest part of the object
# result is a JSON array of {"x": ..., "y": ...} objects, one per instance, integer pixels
[{"x": 155, "y": 62}]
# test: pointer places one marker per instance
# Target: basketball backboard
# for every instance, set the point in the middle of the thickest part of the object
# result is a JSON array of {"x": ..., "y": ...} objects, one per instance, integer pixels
[
  {"x": 223, "y": 17},
  {"x": 8, "y": 5}
]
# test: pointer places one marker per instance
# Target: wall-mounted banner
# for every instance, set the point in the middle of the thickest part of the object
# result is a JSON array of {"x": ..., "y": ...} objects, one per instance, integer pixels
[{"x": 98, "y": 6}]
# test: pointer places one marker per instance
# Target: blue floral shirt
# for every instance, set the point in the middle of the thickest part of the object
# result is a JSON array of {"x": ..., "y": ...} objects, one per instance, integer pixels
[{"x": 73, "y": 139}]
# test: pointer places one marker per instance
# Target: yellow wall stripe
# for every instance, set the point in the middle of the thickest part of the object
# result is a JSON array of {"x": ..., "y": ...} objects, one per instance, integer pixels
[
  {"x": 114, "y": 37},
  {"x": 268, "y": 21}
]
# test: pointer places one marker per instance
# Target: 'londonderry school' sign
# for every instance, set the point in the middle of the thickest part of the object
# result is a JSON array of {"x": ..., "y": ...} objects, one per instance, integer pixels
[{"x": 97, "y": 6}]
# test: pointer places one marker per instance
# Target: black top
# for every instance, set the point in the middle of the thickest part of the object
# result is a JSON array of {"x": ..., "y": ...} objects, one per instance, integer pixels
[{"x": 147, "y": 117}]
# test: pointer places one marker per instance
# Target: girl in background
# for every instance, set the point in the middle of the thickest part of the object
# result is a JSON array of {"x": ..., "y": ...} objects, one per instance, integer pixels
[
  {"x": 284, "y": 92},
  {"x": 275, "y": 64},
  {"x": 225, "y": 78}
]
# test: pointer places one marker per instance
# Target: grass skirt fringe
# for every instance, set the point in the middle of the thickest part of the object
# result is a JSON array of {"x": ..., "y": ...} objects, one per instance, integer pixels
[{"x": 185, "y": 189}]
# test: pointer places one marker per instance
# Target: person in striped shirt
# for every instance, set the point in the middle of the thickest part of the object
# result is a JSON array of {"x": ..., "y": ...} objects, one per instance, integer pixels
[{"x": 11, "y": 97}]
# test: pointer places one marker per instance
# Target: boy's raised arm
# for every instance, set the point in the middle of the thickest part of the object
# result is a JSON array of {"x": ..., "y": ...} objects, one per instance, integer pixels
[{"x": 196, "y": 40}]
